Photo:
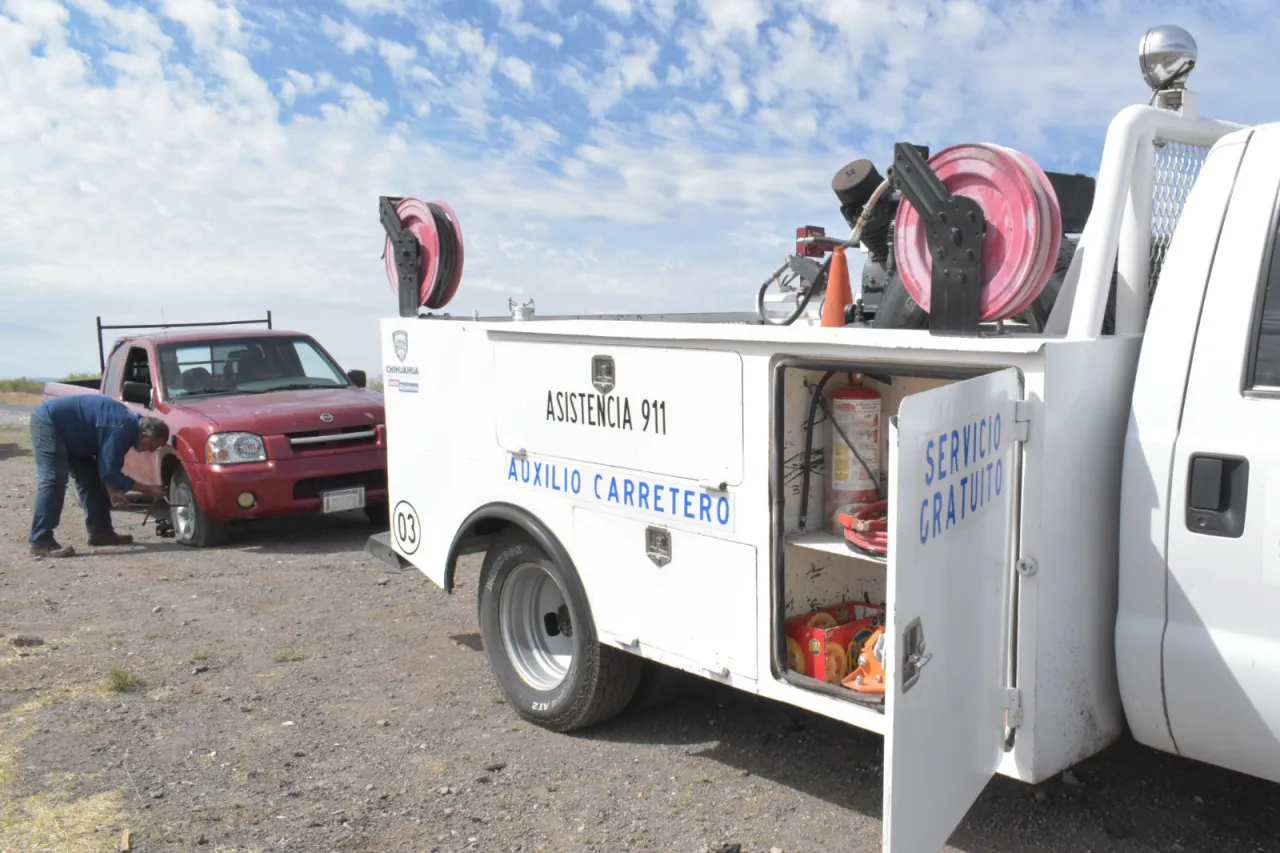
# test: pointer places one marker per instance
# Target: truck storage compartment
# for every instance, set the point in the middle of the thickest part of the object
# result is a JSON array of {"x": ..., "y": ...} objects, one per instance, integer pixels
[
  {"x": 667, "y": 411},
  {"x": 687, "y": 595},
  {"x": 833, "y": 589},
  {"x": 914, "y": 642}
]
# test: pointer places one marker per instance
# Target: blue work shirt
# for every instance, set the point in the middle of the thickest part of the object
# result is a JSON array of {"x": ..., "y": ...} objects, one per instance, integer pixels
[{"x": 94, "y": 425}]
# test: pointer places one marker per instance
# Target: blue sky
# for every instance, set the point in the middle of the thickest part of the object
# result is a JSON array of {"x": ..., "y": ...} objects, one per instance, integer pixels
[{"x": 193, "y": 160}]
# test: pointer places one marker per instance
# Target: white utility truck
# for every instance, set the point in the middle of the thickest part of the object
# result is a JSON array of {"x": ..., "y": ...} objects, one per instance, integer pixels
[{"x": 1080, "y": 526}]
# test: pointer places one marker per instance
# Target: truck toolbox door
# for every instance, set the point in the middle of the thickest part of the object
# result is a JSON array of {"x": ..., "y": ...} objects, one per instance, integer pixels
[{"x": 953, "y": 458}]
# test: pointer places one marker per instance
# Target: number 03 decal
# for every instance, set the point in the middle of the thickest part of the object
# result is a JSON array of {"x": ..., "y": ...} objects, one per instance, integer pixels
[{"x": 405, "y": 527}]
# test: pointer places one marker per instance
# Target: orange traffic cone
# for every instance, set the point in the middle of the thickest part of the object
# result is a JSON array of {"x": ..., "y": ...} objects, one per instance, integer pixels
[{"x": 839, "y": 293}]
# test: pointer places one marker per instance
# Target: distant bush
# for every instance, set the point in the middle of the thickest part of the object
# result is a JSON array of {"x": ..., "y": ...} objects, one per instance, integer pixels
[
  {"x": 25, "y": 385},
  {"x": 21, "y": 385},
  {"x": 376, "y": 385}
]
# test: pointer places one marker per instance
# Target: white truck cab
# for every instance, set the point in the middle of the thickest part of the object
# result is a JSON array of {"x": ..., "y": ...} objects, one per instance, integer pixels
[{"x": 1080, "y": 532}]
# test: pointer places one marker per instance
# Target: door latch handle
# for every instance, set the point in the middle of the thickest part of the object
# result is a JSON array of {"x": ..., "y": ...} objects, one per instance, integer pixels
[
  {"x": 657, "y": 545},
  {"x": 919, "y": 659},
  {"x": 914, "y": 657},
  {"x": 1217, "y": 491}
]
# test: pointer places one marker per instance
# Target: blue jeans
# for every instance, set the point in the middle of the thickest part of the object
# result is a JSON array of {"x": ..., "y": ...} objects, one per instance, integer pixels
[{"x": 53, "y": 466}]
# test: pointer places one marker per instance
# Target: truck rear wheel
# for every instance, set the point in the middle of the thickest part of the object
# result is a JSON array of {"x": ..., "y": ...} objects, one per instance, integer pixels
[
  {"x": 541, "y": 642},
  {"x": 191, "y": 527}
]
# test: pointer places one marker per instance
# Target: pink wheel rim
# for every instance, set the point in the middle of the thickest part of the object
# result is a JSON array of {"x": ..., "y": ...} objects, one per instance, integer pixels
[
  {"x": 415, "y": 216},
  {"x": 1045, "y": 190},
  {"x": 996, "y": 180}
]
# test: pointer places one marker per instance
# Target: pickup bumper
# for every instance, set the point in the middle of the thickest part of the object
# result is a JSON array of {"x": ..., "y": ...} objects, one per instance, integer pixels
[{"x": 288, "y": 486}]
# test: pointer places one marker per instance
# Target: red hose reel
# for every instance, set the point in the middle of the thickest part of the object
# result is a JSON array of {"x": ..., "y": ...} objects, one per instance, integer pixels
[
  {"x": 440, "y": 255},
  {"x": 1024, "y": 227}
]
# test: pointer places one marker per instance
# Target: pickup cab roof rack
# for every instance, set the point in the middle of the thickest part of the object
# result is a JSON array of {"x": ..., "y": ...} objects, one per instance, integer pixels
[{"x": 102, "y": 352}]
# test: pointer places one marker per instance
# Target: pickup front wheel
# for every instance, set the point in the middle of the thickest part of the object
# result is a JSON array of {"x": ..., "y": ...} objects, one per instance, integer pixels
[{"x": 191, "y": 527}]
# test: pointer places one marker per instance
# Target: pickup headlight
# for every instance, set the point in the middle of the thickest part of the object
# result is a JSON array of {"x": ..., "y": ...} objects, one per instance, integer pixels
[{"x": 232, "y": 448}]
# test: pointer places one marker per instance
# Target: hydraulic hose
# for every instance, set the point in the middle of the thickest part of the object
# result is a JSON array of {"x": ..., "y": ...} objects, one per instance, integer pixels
[
  {"x": 808, "y": 446},
  {"x": 819, "y": 282},
  {"x": 868, "y": 209}
]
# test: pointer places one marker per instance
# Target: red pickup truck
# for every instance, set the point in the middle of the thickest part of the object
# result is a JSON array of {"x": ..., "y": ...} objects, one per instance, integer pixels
[{"x": 262, "y": 423}]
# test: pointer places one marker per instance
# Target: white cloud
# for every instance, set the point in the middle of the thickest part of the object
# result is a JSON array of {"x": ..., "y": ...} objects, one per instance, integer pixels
[
  {"x": 733, "y": 17},
  {"x": 511, "y": 14},
  {"x": 531, "y": 139},
  {"x": 631, "y": 67},
  {"x": 209, "y": 23},
  {"x": 369, "y": 7},
  {"x": 620, "y": 8},
  {"x": 348, "y": 36},
  {"x": 41, "y": 19},
  {"x": 399, "y": 57},
  {"x": 517, "y": 71}
]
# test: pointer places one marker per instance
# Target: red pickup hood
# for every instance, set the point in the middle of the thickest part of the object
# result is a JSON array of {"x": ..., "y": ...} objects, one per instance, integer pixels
[{"x": 280, "y": 412}]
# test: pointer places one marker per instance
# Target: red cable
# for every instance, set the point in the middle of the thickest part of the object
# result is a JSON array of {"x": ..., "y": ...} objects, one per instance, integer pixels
[{"x": 868, "y": 527}]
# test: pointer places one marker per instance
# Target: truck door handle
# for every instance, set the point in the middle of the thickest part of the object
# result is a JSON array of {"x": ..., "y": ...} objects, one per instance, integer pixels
[{"x": 1217, "y": 489}]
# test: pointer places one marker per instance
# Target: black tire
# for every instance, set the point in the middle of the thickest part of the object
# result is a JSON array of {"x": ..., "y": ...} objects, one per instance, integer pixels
[
  {"x": 203, "y": 532},
  {"x": 598, "y": 681},
  {"x": 379, "y": 514}
]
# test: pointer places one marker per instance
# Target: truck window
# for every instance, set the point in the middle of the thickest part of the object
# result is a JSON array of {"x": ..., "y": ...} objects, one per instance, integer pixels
[
  {"x": 1263, "y": 373},
  {"x": 137, "y": 368},
  {"x": 246, "y": 365},
  {"x": 111, "y": 378},
  {"x": 313, "y": 365}
]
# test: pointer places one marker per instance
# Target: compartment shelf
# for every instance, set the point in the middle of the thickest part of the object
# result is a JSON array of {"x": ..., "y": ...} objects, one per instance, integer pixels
[{"x": 828, "y": 543}]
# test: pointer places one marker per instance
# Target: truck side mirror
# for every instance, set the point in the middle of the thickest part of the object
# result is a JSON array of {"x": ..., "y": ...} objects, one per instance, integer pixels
[
  {"x": 138, "y": 393},
  {"x": 358, "y": 378}
]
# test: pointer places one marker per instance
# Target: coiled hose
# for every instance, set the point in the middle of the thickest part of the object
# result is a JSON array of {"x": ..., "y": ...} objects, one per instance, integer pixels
[{"x": 436, "y": 227}]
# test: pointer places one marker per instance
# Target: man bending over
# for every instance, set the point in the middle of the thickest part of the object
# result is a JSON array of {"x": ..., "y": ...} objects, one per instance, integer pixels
[{"x": 87, "y": 436}]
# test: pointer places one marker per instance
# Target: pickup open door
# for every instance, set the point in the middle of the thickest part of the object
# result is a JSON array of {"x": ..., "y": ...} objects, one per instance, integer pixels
[{"x": 954, "y": 453}]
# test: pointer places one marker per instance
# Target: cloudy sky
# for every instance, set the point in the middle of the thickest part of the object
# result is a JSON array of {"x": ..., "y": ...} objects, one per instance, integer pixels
[{"x": 195, "y": 160}]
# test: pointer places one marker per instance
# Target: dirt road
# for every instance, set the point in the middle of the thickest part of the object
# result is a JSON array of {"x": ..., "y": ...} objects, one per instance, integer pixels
[{"x": 286, "y": 694}]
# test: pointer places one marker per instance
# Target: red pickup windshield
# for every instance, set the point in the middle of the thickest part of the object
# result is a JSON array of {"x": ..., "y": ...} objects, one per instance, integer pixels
[{"x": 248, "y": 365}]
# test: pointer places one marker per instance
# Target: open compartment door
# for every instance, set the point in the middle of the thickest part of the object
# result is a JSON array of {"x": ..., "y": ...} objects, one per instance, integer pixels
[{"x": 953, "y": 498}]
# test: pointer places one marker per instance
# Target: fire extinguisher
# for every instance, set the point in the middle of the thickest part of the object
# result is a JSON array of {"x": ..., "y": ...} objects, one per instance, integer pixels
[{"x": 856, "y": 410}]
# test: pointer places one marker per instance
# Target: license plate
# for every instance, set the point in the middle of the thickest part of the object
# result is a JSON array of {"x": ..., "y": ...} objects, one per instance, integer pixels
[{"x": 341, "y": 500}]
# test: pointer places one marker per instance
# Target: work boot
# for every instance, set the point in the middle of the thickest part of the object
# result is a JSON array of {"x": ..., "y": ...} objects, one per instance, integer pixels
[
  {"x": 51, "y": 549},
  {"x": 97, "y": 540}
]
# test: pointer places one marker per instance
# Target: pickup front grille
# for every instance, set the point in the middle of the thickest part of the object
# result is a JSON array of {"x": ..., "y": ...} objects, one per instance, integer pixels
[
  {"x": 313, "y": 486},
  {"x": 332, "y": 439}
]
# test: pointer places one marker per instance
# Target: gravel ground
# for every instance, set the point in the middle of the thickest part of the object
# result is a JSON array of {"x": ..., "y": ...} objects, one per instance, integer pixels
[
  {"x": 14, "y": 416},
  {"x": 294, "y": 696}
]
